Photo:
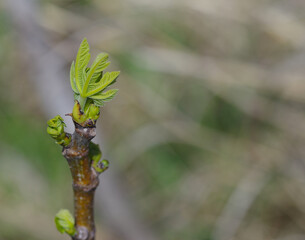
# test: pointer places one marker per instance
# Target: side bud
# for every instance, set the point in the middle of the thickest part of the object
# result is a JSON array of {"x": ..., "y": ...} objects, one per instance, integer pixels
[
  {"x": 96, "y": 155},
  {"x": 56, "y": 130},
  {"x": 64, "y": 222}
]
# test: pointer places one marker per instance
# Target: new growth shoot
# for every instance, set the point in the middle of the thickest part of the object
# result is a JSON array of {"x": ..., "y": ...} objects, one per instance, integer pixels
[{"x": 90, "y": 87}]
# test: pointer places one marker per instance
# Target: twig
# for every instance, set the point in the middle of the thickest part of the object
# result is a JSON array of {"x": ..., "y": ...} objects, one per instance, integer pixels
[{"x": 83, "y": 156}]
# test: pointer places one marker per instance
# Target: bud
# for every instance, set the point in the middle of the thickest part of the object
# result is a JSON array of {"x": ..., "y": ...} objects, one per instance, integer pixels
[
  {"x": 93, "y": 112},
  {"x": 56, "y": 126},
  {"x": 56, "y": 130},
  {"x": 95, "y": 155},
  {"x": 101, "y": 166},
  {"x": 104, "y": 165},
  {"x": 64, "y": 222},
  {"x": 77, "y": 114},
  {"x": 88, "y": 117}
]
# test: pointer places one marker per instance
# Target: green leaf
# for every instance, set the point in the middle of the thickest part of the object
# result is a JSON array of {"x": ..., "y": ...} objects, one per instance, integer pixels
[
  {"x": 100, "y": 98},
  {"x": 98, "y": 75},
  {"x": 98, "y": 102},
  {"x": 82, "y": 60},
  {"x": 106, "y": 96},
  {"x": 77, "y": 97},
  {"x": 108, "y": 79},
  {"x": 99, "y": 64},
  {"x": 84, "y": 74},
  {"x": 72, "y": 78}
]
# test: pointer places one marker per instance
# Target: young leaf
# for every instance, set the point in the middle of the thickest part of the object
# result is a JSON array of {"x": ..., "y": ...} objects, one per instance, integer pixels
[
  {"x": 98, "y": 102},
  {"x": 99, "y": 64},
  {"x": 82, "y": 60},
  {"x": 76, "y": 97},
  {"x": 72, "y": 78},
  {"x": 97, "y": 75},
  {"x": 84, "y": 73},
  {"x": 106, "y": 96},
  {"x": 108, "y": 79}
]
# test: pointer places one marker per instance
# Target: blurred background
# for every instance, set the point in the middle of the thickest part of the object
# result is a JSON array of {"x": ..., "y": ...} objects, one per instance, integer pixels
[{"x": 206, "y": 138}]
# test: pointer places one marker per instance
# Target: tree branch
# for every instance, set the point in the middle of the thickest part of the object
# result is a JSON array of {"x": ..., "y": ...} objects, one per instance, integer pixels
[{"x": 85, "y": 180}]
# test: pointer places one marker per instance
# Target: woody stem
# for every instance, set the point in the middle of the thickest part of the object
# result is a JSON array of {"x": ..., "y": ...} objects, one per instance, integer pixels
[{"x": 85, "y": 180}]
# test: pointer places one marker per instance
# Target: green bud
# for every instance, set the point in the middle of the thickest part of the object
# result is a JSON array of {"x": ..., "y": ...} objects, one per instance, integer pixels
[
  {"x": 77, "y": 114},
  {"x": 56, "y": 126},
  {"x": 64, "y": 222},
  {"x": 101, "y": 166},
  {"x": 93, "y": 112},
  {"x": 87, "y": 117},
  {"x": 56, "y": 122},
  {"x": 104, "y": 165},
  {"x": 56, "y": 130}
]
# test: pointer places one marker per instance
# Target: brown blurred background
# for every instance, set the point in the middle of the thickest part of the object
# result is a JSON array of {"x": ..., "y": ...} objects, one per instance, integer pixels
[{"x": 206, "y": 138}]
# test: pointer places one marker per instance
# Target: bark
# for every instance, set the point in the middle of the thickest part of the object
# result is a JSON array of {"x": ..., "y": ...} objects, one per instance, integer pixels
[{"x": 84, "y": 180}]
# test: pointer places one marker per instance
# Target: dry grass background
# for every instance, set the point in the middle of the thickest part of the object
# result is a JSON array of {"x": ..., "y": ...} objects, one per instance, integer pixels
[{"x": 206, "y": 136}]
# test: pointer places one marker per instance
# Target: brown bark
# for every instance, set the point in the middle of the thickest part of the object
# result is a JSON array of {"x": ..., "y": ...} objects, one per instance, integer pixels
[{"x": 85, "y": 180}]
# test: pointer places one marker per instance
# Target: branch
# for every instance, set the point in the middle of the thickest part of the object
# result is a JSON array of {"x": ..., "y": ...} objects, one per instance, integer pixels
[
  {"x": 85, "y": 180},
  {"x": 83, "y": 156}
]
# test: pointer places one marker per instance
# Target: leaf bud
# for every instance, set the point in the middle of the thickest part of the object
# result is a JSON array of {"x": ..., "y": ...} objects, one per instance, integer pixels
[{"x": 64, "y": 222}]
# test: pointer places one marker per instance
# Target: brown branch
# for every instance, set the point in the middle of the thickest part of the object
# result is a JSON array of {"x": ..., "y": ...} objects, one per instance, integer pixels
[{"x": 85, "y": 180}]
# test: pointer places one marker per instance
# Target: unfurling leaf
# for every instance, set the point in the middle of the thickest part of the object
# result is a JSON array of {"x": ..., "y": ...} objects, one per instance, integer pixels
[
  {"x": 82, "y": 60},
  {"x": 72, "y": 78},
  {"x": 100, "y": 98},
  {"x": 108, "y": 79},
  {"x": 106, "y": 96},
  {"x": 99, "y": 65},
  {"x": 98, "y": 102}
]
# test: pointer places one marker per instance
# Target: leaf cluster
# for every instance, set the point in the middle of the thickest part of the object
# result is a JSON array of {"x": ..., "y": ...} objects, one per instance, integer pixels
[{"x": 90, "y": 82}]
